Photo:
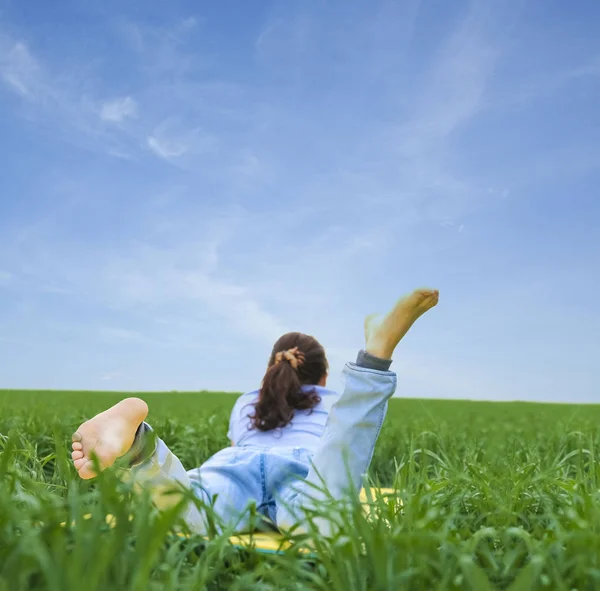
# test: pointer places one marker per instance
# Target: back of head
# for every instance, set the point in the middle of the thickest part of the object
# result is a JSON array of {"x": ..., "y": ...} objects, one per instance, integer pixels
[{"x": 296, "y": 360}]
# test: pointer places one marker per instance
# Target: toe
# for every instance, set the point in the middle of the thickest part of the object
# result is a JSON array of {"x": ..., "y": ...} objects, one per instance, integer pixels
[
  {"x": 80, "y": 462},
  {"x": 425, "y": 293},
  {"x": 77, "y": 455},
  {"x": 87, "y": 470},
  {"x": 77, "y": 446},
  {"x": 427, "y": 298},
  {"x": 76, "y": 437}
]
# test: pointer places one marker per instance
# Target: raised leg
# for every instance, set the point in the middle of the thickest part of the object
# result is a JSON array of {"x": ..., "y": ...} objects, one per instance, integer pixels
[{"x": 347, "y": 444}]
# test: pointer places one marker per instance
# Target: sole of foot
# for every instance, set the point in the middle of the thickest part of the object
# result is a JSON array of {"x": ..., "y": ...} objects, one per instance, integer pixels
[
  {"x": 383, "y": 332},
  {"x": 108, "y": 436}
]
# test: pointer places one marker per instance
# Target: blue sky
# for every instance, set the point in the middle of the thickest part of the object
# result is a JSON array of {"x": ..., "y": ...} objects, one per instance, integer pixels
[{"x": 182, "y": 182}]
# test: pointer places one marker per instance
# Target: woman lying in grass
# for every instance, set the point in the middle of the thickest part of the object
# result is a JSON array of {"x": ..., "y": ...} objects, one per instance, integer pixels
[{"x": 294, "y": 442}]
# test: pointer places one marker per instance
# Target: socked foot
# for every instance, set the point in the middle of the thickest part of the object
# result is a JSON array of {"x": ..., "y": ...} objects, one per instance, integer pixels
[
  {"x": 109, "y": 435},
  {"x": 384, "y": 332}
]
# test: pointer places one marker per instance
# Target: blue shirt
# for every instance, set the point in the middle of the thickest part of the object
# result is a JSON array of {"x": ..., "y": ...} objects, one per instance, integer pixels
[{"x": 303, "y": 431}]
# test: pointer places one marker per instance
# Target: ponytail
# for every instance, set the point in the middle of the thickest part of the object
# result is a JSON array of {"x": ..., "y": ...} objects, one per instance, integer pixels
[{"x": 281, "y": 393}]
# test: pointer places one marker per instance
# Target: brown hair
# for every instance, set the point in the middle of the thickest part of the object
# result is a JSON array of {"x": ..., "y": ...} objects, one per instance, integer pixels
[{"x": 296, "y": 360}]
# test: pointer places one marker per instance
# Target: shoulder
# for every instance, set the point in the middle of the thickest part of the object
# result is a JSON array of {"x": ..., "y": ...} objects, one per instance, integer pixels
[
  {"x": 325, "y": 392},
  {"x": 239, "y": 417},
  {"x": 244, "y": 403},
  {"x": 328, "y": 397}
]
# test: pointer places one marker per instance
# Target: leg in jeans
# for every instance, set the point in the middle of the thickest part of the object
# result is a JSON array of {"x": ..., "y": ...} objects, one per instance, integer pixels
[
  {"x": 347, "y": 444},
  {"x": 120, "y": 432},
  {"x": 153, "y": 467},
  {"x": 228, "y": 481}
]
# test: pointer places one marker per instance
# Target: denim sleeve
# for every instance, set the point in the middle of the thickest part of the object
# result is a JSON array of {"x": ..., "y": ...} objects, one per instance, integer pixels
[{"x": 369, "y": 361}]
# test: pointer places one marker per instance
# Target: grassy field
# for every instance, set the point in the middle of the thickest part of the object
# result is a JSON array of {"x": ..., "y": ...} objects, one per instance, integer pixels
[{"x": 495, "y": 496}]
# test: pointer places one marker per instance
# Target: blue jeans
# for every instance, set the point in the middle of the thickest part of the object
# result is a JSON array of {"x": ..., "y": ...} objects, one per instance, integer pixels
[{"x": 283, "y": 482}]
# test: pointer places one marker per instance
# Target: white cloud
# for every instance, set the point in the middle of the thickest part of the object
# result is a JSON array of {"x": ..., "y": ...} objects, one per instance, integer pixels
[
  {"x": 186, "y": 279},
  {"x": 166, "y": 148},
  {"x": 189, "y": 23},
  {"x": 173, "y": 139},
  {"x": 451, "y": 95},
  {"x": 264, "y": 34},
  {"x": 118, "y": 109},
  {"x": 236, "y": 305},
  {"x": 61, "y": 102},
  {"x": 541, "y": 82},
  {"x": 163, "y": 49},
  {"x": 19, "y": 70}
]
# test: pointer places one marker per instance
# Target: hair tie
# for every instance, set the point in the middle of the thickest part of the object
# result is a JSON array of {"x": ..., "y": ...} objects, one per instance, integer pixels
[{"x": 294, "y": 357}]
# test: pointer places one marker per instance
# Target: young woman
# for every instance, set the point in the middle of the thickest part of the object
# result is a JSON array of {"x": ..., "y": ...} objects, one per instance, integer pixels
[{"x": 294, "y": 442}]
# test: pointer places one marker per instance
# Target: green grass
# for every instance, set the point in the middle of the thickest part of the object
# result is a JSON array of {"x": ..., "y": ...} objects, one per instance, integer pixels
[{"x": 496, "y": 496}]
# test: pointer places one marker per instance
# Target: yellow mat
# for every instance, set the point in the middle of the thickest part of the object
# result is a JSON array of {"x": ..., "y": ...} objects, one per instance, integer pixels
[
  {"x": 270, "y": 542},
  {"x": 274, "y": 542}
]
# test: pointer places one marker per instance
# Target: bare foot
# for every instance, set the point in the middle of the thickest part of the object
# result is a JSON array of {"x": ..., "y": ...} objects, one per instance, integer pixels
[
  {"x": 109, "y": 435},
  {"x": 384, "y": 332}
]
